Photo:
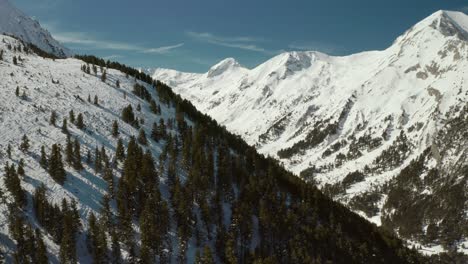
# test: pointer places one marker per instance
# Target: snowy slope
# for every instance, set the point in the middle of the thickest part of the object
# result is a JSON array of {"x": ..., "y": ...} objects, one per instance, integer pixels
[
  {"x": 329, "y": 116},
  {"x": 15, "y": 22},
  {"x": 61, "y": 85}
]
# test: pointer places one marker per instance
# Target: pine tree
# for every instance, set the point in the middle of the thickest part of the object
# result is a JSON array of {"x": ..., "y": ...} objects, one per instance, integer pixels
[
  {"x": 117, "y": 84},
  {"x": 43, "y": 161},
  {"x": 77, "y": 165},
  {"x": 21, "y": 168},
  {"x": 207, "y": 256},
  {"x": 64, "y": 126},
  {"x": 56, "y": 170},
  {"x": 115, "y": 129},
  {"x": 127, "y": 115},
  {"x": 96, "y": 240},
  {"x": 96, "y": 100},
  {"x": 109, "y": 178},
  {"x": 15, "y": 60},
  {"x": 142, "y": 137},
  {"x": 119, "y": 150},
  {"x": 17, "y": 91},
  {"x": 13, "y": 185},
  {"x": 104, "y": 76},
  {"x": 24, "y": 144},
  {"x": 8, "y": 151},
  {"x": 41, "y": 250},
  {"x": 71, "y": 115},
  {"x": 80, "y": 122},
  {"x": 53, "y": 118},
  {"x": 116, "y": 256},
  {"x": 69, "y": 151},
  {"x": 97, "y": 160}
]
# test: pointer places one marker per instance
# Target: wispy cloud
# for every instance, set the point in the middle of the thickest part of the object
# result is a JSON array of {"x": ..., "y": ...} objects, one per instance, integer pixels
[
  {"x": 87, "y": 40},
  {"x": 464, "y": 9},
  {"x": 163, "y": 49},
  {"x": 245, "y": 43},
  {"x": 316, "y": 46}
]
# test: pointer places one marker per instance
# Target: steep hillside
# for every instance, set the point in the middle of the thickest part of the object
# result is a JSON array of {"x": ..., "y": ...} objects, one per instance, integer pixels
[
  {"x": 356, "y": 124},
  {"x": 14, "y": 22},
  {"x": 102, "y": 164}
]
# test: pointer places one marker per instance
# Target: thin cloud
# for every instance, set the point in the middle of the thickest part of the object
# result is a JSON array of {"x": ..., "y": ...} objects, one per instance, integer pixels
[
  {"x": 162, "y": 50},
  {"x": 245, "y": 43},
  {"x": 464, "y": 9},
  {"x": 85, "y": 39}
]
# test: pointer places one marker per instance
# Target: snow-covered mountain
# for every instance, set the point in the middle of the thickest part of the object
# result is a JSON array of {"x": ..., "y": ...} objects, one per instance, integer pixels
[
  {"x": 14, "y": 22},
  {"x": 357, "y": 124},
  {"x": 178, "y": 185}
]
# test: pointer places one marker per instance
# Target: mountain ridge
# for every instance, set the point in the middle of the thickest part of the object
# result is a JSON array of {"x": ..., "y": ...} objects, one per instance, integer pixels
[
  {"x": 326, "y": 117},
  {"x": 14, "y": 22}
]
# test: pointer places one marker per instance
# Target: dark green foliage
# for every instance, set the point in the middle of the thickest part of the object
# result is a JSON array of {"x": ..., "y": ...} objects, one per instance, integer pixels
[
  {"x": 24, "y": 146},
  {"x": 43, "y": 160},
  {"x": 80, "y": 122},
  {"x": 96, "y": 100},
  {"x": 140, "y": 91},
  {"x": 97, "y": 243},
  {"x": 120, "y": 151},
  {"x": 115, "y": 129},
  {"x": 142, "y": 137},
  {"x": 55, "y": 165},
  {"x": 127, "y": 115},
  {"x": 71, "y": 115},
  {"x": 8, "y": 151},
  {"x": 64, "y": 126},
  {"x": 352, "y": 178},
  {"x": 13, "y": 185},
  {"x": 53, "y": 118}
]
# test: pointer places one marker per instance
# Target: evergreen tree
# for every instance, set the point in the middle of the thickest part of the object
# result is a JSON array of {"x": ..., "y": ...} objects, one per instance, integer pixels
[
  {"x": 117, "y": 84},
  {"x": 24, "y": 146},
  {"x": 15, "y": 60},
  {"x": 43, "y": 160},
  {"x": 71, "y": 115},
  {"x": 116, "y": 256},
  {"x": 120, "y": 151},
  {"x": 53, "y": 118},
  {"x": 97, "y": 160},
  {"x": 80, "y": 122},
  {"x": 69, "y": 151},
  {"x": 104, "y": 76},
  {"x": 115, "y": 129},
  {"x": 142, "y": 137},
  {"x": 13, "y": 185},
  {"x": 96, "y": 100},
  {"x": 17, "y": 91},
  {"x": 8, "y": 151},
  {"x": 64, "y": 126},
  {"x": 56, "y": 170},
  {"x": 77, "y": 165},
  {"x": 21, "y": 168},
  {"x": 127, "y": 115},
  {"x": 40, "y": 249},
  {"x": 96, "y": 241}
]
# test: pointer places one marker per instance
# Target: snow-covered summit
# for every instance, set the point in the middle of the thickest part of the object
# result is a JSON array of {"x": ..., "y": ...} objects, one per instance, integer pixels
[
  {"x": 224, "y": 66},
  {"x": 14, "y": 22},
  {"x": 329, "y": 116}
]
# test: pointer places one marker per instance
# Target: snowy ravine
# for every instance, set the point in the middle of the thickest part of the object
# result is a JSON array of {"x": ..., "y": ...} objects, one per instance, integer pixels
[
  {"x": 14, "y": 22},
  {"x": 353, "y": 123}
]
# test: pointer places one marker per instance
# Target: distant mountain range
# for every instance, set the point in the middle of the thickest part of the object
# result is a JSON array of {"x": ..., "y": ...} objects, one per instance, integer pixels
[{"x": 384, "y": 132}]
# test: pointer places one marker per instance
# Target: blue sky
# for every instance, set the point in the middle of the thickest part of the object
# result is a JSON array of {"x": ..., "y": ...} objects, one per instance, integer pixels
[{"x": 192, "y": 35}]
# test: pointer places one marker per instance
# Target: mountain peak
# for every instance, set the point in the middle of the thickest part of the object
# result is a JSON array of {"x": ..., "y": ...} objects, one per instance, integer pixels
[
  {"x": 14, "y": 22},
  {"x": 223, "y": 66}
]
